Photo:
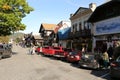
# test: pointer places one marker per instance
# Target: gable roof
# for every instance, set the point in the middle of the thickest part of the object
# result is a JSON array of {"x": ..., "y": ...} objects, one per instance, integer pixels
[
  {"x": 37, "y": 37},
  {"x": 101, "y": 11},
  {"x": 80, "y": 10},
  {"x": 57, "y": 28},
  {"x": 48, "y": 26}
]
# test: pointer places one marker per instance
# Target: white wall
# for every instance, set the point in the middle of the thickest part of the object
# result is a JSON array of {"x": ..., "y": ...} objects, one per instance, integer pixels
[{"x": 81, "y": 19}]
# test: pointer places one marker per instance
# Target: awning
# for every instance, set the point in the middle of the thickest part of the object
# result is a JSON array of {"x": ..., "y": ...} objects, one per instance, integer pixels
[{"x": 64, "y": 33}]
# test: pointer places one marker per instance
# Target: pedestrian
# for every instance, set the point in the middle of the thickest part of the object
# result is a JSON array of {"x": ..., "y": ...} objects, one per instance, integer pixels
[
  {"x": 110, "y": 52},
  {"x": 30, "y": 50},
  {"x": 84, "y": 50},
  {"x": 33, "y": 49},
  {"x": 105, "y": 58},
  {"x": 100, "y": 59}
]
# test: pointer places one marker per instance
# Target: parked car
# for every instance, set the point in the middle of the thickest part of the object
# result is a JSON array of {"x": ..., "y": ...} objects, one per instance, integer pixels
[
  {"x": 5, "y": 51},
  {"x": 65, "y": 53},
  {"x": 38, "y": 50},
  {"x": 47, "y": 50},
  {"x": 58, "y": 51},
  {"x": 74, "y": 56},
  {"x": 115, "y": 68},
  {"x": 88, "y": 61}
]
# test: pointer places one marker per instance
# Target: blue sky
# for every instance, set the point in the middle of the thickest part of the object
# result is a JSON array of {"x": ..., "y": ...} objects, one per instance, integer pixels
[{"x": 52, "y": 11}]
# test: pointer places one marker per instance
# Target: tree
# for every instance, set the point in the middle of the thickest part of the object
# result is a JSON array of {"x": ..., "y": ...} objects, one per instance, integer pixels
[{"x": 11, "y": 14}]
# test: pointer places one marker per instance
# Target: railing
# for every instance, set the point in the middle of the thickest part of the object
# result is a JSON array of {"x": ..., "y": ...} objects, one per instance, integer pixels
[
  {"x": 71, "y": 35},
  {"x": 83, "y": 33}
]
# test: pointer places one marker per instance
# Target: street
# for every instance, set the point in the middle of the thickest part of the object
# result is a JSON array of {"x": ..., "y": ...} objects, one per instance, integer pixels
[{"x": 22, "y": 66}]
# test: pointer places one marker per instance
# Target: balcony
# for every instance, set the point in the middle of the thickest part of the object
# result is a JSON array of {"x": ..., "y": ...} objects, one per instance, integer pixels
[
  {"x": 83, "y": 33},
  {"x": 71, "y": 35}
]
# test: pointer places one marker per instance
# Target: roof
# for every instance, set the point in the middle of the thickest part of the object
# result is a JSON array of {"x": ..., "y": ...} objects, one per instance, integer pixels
[
  {"x": 37, "y": 37},
  {"x": 81, "y": 11},
  {"x": 105, "y": 11},
  {"x": 48, "y": 26},
  {"x": 57, "y": 28}
]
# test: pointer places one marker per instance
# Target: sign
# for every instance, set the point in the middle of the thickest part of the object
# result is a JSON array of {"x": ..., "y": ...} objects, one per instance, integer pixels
[{"x": 108, "y": 26}]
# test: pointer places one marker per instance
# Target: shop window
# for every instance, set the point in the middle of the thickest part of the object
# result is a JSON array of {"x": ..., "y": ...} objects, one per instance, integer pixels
[{"x": 109, "y": 38}]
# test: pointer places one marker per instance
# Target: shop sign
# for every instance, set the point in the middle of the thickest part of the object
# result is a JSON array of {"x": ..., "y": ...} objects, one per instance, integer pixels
[{"x": 109, "y": 26}]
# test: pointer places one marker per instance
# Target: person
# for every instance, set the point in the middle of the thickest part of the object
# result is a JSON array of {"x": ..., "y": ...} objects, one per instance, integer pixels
[
  {"x": 110, "y": 52},
  {"x": 33, "y": 49},
  {"x": 105, "y": 58},
  {"x": 30, "y": 50},
  {"x": 83, "y": 50},
  {"x": 99, "y": 59}
]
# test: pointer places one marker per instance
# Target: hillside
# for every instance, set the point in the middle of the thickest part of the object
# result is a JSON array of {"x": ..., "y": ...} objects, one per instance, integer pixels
[{"x": 17, "y": 35}]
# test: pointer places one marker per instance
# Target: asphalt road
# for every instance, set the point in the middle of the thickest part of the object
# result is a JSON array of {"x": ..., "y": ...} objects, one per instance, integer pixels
[{"x": 22, "y": 66}]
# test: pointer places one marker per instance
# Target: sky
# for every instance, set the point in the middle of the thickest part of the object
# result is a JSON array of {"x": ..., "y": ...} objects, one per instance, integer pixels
[{"x": 52, "y": 12}]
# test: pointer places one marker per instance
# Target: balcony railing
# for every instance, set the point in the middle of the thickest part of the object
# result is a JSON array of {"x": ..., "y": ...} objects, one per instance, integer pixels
[
  {"x": 71, "y": 35},
  {"x": 83, "y": 33}
]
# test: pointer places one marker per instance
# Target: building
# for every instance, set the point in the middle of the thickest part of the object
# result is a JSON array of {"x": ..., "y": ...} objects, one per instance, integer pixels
[
  {"x": 45, "y": 31},
  {"x": 60, "y": 34},
  {"x": 38, "y": 39},
  {"x": 80, "y": 34},
  {"x": 105, "y": 22},
  {"x": 63, "y": 34}
]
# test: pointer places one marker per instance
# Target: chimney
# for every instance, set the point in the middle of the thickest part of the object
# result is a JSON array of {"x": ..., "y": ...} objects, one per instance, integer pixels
[
  {"x": 92, "y": 6},
  {"x": 71, "y": 15}
]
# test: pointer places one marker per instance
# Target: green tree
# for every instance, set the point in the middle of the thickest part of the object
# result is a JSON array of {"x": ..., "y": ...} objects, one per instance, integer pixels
[{"x": 11, "y": 14}]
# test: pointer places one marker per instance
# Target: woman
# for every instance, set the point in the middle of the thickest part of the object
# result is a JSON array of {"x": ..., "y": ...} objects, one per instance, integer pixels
[{"x": 105, "y": 58}]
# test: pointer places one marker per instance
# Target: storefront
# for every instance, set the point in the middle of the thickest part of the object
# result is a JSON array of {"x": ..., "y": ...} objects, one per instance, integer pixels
[
  {"x": 108, "y": 31},
  {"x": 63, "y": 37},
  {"x": 105, "y": 23}
]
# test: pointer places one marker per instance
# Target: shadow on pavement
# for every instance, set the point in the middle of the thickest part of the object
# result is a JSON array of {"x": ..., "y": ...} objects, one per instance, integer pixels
[
  {"x": 14, "y": 53},
  {"x": 100, "y": 73}
]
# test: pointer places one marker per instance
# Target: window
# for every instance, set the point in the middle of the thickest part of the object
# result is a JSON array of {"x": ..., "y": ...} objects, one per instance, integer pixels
[
  {"x": 76, "y": 27},
  {"x": 89, "y": 25},
  {"x": 86, "y": 25},
  {"x": 80, "y": 26},
  {"x": 73, "y": 28}
]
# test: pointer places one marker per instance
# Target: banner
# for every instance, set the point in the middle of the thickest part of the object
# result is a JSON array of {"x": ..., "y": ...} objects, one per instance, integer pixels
[{"x": 108, "y": 26}]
